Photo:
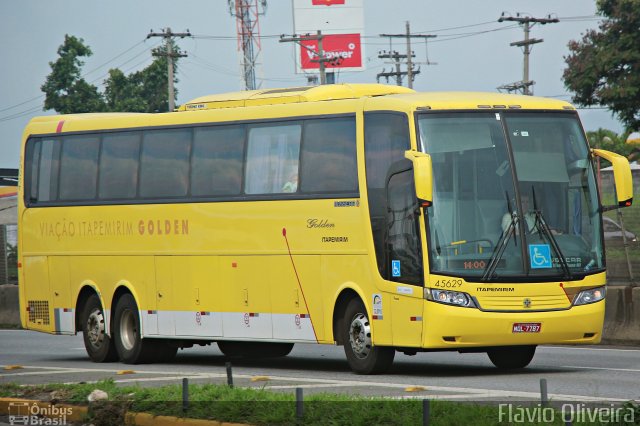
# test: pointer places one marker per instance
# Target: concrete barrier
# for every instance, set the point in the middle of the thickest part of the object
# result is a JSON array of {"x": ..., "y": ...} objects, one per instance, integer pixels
[
  {"x": 9, "y": 305},
  {"x": 622, "y": 316}
]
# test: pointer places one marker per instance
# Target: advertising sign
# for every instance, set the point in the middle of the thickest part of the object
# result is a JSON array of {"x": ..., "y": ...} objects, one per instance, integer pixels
[
  {"x": 344, "y": 49},
  {"x": 342, "y": 25}
]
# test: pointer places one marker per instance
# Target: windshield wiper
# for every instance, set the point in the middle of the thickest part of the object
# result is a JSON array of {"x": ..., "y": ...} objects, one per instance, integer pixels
[
  {"x": 498, "y": 252},
  {"x": 543, "y": 228}
]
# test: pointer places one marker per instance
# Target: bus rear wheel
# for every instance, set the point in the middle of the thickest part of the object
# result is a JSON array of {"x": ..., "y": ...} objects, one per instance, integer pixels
[
  {"x": 255, "y": 349},
  {"x": 363, "y": 357},
  {"x": 511, "y": 357},
  {"x": 98, "y": 344},
  {"x": 131, "y": 347}
]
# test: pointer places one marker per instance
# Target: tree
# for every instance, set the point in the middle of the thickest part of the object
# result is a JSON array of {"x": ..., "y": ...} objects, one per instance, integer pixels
[
  {"x": 142, "y": 91},
  {"x": 66, "y": 91},
  {"x": 604, "y": 67}
]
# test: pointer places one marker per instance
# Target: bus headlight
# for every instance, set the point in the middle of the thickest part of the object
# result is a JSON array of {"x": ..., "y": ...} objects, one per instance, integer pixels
[
  {"x": 448, "y": 297},
  {"x": 590, "y": 296}
]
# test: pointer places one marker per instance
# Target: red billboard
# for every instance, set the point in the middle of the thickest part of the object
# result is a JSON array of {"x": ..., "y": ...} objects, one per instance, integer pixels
[
  {"x": 345, "y": 50},
  {"x": 326, "y": 2}
]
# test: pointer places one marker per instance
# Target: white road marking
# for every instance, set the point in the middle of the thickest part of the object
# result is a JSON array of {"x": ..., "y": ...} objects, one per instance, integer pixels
[
  {"x": 592, "y": 348},
  {"x": 454, "y": 392},
  {"x": 632, "y": 370}
]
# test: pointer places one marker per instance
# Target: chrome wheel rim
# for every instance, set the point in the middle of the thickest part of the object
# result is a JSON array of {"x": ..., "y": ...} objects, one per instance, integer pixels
[
  {"x": 128, "y": 330},
  {"x": 360, "y": 336},
  {"x": 95, "y": 328}
]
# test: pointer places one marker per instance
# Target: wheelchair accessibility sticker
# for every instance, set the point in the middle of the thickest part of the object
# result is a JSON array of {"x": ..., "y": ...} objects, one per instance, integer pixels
[
  {"x": 540, "y": 256},
  {"x": 395, "y": 268}
]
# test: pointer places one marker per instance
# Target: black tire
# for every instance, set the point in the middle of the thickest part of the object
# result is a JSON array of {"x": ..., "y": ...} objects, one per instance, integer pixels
[
  {"x": 99, "y": 345},
  {"x": 511, "y": 357},
  {"x": 132, "y": 349},
  {"x": 363, "y": 357},
  {"x": 255, "y": 349}
]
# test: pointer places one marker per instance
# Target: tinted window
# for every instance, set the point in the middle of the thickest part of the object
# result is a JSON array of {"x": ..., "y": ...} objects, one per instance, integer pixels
[
  {"x": 272, "y": 158},
  {"x": 32, "y": 164},
  {"x": 49, "y": 166},
  {"x": 164, "y": 171},
  {"x": 79, "y": 167},
  {"x": 386, "y": 137},
  {"x": 329, "y": 156},
  {"x": 218, "y": 154},
  {"x": 119, "y": 165}
]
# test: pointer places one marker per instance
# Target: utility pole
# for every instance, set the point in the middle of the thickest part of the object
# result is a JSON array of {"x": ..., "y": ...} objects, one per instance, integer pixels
[
  {"x": 170, "y": 55},
  {"x": 398, "y": 74},
  {"x": 527, "y": 22},
  {"x": 322, "y": 60},
  {"x": 411, "y": 73}
]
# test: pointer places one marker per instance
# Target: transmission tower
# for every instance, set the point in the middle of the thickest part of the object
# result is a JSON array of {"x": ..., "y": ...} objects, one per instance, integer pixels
[{"x": 247, "y": 13}]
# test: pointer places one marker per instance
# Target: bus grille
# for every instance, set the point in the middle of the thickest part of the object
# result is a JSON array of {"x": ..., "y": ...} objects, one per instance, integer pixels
[
  {"x": 523, "y": 303},
  {"x": 39, "y": 311}
]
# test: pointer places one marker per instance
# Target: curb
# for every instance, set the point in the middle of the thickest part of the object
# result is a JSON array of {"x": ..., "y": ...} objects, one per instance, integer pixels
[{"x": 78, "y": 413}]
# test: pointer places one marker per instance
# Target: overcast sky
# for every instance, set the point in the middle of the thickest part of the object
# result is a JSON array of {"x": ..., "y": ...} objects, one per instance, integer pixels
[{"x": 472, "y": 49}]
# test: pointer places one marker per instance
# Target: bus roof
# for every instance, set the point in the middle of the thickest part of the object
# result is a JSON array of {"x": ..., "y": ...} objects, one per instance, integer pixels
[
  {"x": 383, "y": 94},
  {"x": 292, "y": 95}
]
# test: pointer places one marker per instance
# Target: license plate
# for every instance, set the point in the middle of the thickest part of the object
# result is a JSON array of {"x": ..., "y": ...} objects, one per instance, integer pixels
[{"x": 526, "y": 327}]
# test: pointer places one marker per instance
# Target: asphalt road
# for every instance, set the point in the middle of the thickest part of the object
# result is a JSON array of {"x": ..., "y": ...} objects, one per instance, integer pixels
[{"x": 596, "y": 373}]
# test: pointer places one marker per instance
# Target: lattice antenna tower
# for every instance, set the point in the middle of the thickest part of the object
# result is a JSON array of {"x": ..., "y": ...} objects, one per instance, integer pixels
[{"x": 247, "y": 13}]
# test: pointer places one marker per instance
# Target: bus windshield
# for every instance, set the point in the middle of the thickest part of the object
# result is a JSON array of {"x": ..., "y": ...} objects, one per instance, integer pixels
[{"x": 514, "y": 196}]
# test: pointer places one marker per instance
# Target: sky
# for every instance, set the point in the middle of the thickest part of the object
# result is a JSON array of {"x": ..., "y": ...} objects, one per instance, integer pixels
[{"x": 471, "y": 51}]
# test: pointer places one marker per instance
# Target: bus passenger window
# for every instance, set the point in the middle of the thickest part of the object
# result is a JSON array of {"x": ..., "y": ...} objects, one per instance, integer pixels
[
  {"x": 273, "y": 153},
  {"x": 329, "y": 156},
  {"x": 119, "y": 166},
  {"x": 164, "y": 170},
  {"x": 216, "y": 168},
  {"x": 79, "y": 167}
]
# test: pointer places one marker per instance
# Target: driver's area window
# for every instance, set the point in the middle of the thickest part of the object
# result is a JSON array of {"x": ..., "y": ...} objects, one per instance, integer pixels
[{"x": 404, "y": 262}]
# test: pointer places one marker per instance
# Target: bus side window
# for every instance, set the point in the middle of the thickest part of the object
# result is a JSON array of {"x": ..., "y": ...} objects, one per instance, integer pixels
[
  {"x": 48, "y": 170},
  {"x": 216, "y": 165},
  {"x": 119, "y": 163},
  {"x": 329, "y": 156},
  {"x": 164, "y": 168},
  {"x": 273, "y": 153}
]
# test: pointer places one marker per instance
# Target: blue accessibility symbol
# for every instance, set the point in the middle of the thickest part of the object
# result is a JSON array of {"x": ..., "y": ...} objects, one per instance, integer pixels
[
  {"x": 395, "y": 268},
  {"x": 540, "y": 256}
]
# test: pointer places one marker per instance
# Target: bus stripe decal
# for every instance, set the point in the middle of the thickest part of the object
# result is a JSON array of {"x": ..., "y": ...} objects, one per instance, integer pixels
[
  {"x": 60, "y": 124},
  {"x": 286, "y": 240}
]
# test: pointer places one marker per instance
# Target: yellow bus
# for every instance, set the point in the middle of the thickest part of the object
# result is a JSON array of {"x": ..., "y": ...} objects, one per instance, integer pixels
[{"x": 368, "y": 216}]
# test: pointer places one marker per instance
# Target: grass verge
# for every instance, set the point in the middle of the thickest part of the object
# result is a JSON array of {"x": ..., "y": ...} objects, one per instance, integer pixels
[{"x": 264, "y": 407}]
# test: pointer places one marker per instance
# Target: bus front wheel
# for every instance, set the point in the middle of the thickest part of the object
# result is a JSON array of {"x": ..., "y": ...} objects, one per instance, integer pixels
[
  {"x": 99, "y": 345},
  {"x": 511, "y": 357},
  {"x": 131, "y": 347},
  {"x": 362, "y": 355}
]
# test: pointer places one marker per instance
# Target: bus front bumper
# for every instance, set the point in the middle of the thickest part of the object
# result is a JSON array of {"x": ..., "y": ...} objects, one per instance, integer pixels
[{"x": 455, "y": 327}]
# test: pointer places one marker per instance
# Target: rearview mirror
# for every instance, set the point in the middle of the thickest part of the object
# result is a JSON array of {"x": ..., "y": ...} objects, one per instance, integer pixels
[
  {"x": 621, "y": 176},
  {"x": 423, "y": 176}
]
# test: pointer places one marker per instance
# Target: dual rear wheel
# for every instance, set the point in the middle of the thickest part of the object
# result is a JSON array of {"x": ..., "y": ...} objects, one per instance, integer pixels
[{"x": 126, "y": 342}]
